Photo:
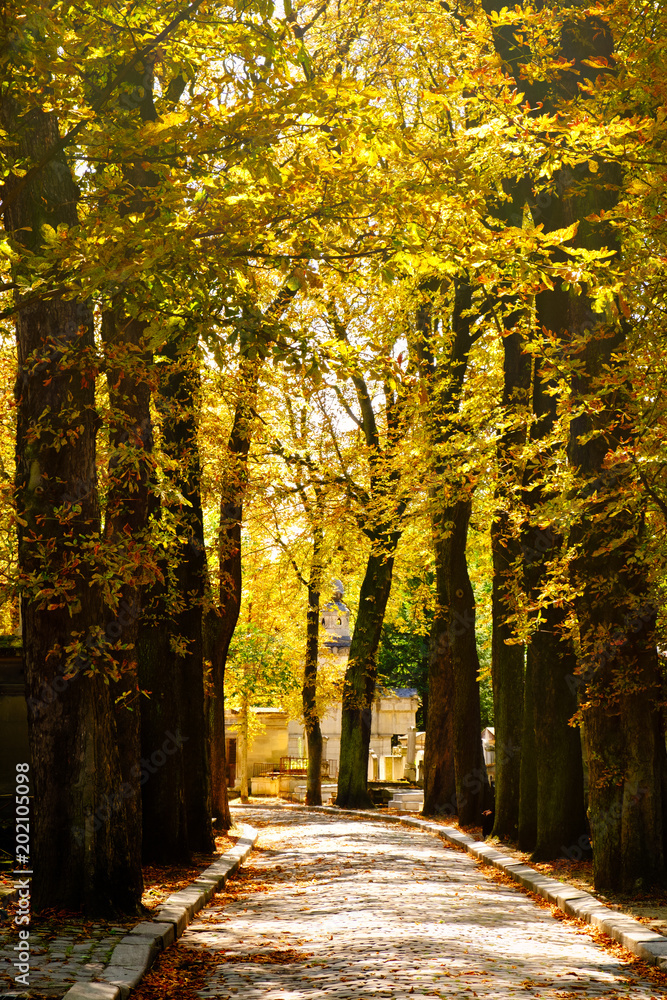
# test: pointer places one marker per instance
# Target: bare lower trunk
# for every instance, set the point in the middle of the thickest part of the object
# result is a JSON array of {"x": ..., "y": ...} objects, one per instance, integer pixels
[
  {"x": 556, "y": 745},
  {"x": 219, "y": 645},
  {"x": 507, "y": 657},
  {"x": 626, "y": 814},
  {"x": 457, "y": 607},
  {"x": 439, "y": 774},
  {"x": 163, "y": 778},
  {"x": 309, "y": 691},
  {"x": 528, "y": 787},
  {"x": 472, "y": 789},
  {"x": 243, "y": 749},
  {"x": 359, "y": 686},
  {"x": 561, "y": 819}
]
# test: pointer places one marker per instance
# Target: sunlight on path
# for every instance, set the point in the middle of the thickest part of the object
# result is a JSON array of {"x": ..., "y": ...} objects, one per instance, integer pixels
[{"x": 372, "y": 910}]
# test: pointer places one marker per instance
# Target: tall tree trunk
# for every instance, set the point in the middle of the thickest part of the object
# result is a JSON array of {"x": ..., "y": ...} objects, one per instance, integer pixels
[
  {"x": 507, "y": 657},
  {"x": 561, "y": 819},
  {"x": 229, "y": 549},
  {"x": 125, "y": 525},
  {"x": 454, "y": 772},
  {"x": 176, "y": 798},
  {"x": 179, "y": 400},
  {"x": 360, "y": 677},
  {"x": 528, "y": 781},
  {"x": 164, "y": 816},
  {"x": 128, "y": 364},
  {"x": 82, "y": 856},
  {"x": 220, "y": 625},
  {"x": 619, "y": 672},
  {"x": 618, "y": 665},
  {"x": 508, "y": 679},
  {"x": 618, "y": 675},
  {"x": 439, "y": 773},
  {"x": 472, "y": 790},
  {"x": 309, "y": 690},
  {"x": 384, "y": 510}
]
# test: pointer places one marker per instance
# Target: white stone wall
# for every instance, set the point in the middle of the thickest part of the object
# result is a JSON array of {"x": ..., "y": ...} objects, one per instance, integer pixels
[{"x": 390, "y": 716}]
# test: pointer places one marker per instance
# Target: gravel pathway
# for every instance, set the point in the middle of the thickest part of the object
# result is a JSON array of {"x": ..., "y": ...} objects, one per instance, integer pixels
[{"x": 352, "y": 909}]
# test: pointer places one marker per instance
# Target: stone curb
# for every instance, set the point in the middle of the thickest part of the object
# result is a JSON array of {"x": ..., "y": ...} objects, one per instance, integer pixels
[
  {"x": 627, "y": 931},
  {"x": 136, "y": 952}
]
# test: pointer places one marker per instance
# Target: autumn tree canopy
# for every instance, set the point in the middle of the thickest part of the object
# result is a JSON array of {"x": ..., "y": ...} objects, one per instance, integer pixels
[{"x": 372, "y": 291}]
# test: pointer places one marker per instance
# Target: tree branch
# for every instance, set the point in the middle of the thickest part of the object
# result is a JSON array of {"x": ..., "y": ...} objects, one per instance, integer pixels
[{"x": 97, "y": 105}]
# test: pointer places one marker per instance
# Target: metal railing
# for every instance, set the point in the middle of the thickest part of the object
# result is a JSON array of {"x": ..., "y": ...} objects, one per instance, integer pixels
[
  {"x": 258, "y": 770},
  {"x": 292, "y": 765},
  {"x": 299, "y": 765}
]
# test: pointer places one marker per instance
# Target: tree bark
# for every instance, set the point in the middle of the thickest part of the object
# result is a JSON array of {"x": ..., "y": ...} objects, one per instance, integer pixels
[
  {"x": 561, "y": 819},
  {"x": 164, "y": 816},
  {"x": 528, "y": 780},
  {"x": 229, "y": 549},
  {"x": 453, "y": 752},
  {"x": 309, "y": 690},
  {"x": 384, "y": 510},
  {"x": 125, "y": 525},
  {"x": 171, "y": 656},
  {"x": 507, "y": 656},
  {"x": 360, "y": 677},
  {"x": 82, "y": 855},
  {"x": 439, "y": 773},
  {"x": 472, "y": 790},
  {"x": 619, "y": 678},
  {"x": 179, "y": 399}
]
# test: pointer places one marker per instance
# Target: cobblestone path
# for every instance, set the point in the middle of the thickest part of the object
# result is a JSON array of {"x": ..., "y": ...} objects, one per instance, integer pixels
[
  {"x": 363, "y": 909},
  {"x": 58, "y": 960}
]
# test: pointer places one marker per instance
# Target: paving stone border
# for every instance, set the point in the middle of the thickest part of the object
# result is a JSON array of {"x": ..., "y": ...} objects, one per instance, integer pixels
[
  {"x": 633, "y": 935},
  {"x": 136, "y": 952}
]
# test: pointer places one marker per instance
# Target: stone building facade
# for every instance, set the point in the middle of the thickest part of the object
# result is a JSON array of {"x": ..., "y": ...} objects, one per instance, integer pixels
[{"x": 392, "y": 714}]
